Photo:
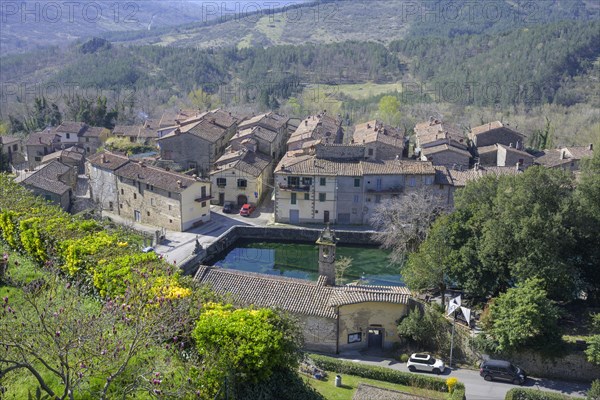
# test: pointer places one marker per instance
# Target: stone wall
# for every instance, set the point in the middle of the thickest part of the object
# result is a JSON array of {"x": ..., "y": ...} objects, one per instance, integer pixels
[
  {"x": 351, "y": 152},
  {"x": 573, "y": 366},
  {"x": 269, "y": 233}
]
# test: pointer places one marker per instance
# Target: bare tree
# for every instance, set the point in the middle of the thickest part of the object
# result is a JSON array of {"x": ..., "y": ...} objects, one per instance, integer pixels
[
  {"x": 341, "y": 265},
  {"x": 403, "y": 223}
]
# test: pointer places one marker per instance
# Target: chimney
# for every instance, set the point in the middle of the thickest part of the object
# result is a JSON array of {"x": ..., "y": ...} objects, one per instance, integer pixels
[
  {"x": 518, "y": 166},
  {"x": 103, "y": 158},
  {"x": 562, "y": 154},
  {"x": 177, "y": 131},
  {"x": 510, "y": 145},
  {"x": 368, "y": 126},
  {"x": 476, "y": 166},
  {"x": 178, "y": 183},
  {"x": 591, "y": 147},
  {"x": 306, "y": 123}
]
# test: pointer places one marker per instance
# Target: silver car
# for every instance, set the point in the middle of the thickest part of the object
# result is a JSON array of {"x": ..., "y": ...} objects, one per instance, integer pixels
[{"x": 425, "y": 362}]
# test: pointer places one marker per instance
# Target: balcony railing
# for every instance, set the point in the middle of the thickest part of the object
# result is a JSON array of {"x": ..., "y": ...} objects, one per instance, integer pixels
[
  {"x": 200, "y": 199},
  {"x": 294, "y": 188}
]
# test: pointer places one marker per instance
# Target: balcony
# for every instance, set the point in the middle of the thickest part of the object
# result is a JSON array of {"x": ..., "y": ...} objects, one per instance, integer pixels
[
  {"x": 200, "y": 199},
  {"x": 294, "y": 188}
]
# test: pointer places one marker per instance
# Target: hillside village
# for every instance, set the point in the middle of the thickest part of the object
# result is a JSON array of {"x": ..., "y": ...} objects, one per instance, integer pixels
[{"x": 314, "y": 169}]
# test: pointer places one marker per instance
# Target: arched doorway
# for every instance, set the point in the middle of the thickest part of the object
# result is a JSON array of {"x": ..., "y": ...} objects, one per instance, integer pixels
[{"x": 242, "y": 199}]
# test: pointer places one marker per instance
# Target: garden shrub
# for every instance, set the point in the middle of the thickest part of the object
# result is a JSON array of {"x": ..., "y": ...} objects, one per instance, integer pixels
[
  {"x": 387, "y": 375},
  {"x": 535, "y": 394}
]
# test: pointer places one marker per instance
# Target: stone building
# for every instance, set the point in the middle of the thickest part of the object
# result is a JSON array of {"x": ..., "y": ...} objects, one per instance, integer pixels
[
  {"x": 12, "y": 152},
  {"x": 73, "y": 157},
  {"x": 499, "y": 155},
  {"x": 333, "y": 319},
  {"x": 446, "y": 154},
  {"x": 382, "y": 141},
  {"x": 53, "y": 181},
  {"x": 142, "y": 133},
  {"x": 314, "y": 128},
  {"x": 496, "y": 132},
  {"x": 567, "y": 158},
  {"x": 270, "y": 130},
  {"x": 39, "y": 144},
  {"x": 241, "y": 176},
  {"x": 335, "y": 183},
  {"x": 199, "y": 144},
  {"x": 101, "y": 169}
]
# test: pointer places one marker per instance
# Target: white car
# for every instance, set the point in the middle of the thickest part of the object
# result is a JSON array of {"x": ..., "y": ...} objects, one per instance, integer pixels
[{"x": 425, "y": 362}]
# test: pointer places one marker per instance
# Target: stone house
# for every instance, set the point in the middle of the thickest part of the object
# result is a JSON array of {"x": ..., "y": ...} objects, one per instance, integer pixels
[
  {"x": 382, "y": 141},
  {"x": 199, "y": 144},
  {"x": 69, "y": 132},
  {"x": 314, "y": 128},
  {"x": 100, "y": 169},
  {"x": 333, "y": 319},
  {"x": 270, "y": 130},
  {"x": 39, "y": 144},
  {"x": 53, "y": 181},
  {"x": 73, "y": 157},
  {"x": 92, "y": 138},
  {"x": 11, "y": 151},
  {"x": 446, "y": 154},
  {"x": 435, "y": 132},
  {"x": 503, "y": 156},
  {"x": 496, "y": 132},
  {"x": 143, "y": 133},
  {"x": 241, "y": 176},
  {"x": 153, "y": 196},
  {"x": 335, "y": 183},
  {"x": 567, "y": 158}
]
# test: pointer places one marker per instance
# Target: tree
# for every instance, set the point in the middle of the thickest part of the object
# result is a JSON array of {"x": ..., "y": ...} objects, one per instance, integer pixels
[
  {"x": 402, "y": 223},
  {"x": 202, "y": 100},
  {"x": 246, "y": 345},
  {"x": 341, "y": 265},
  {"x": 523, "y": 316},
  {"x": 593, "y": 350},
  {"x": 427, "y": 329},
  {"x": 429, "y": 267},
  {"x": 57, "y": 335},
  {"x": 594, "y": 392},
  {"x": 389, "y": 110},
  {"x": 94, "y": 113}
]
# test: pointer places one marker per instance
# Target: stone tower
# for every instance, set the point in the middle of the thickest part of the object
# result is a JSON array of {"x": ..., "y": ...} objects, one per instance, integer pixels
[{"x": 326, "y": 242}]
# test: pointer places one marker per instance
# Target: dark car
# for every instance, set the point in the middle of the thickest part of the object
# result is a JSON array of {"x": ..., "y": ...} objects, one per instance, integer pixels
[
  {"x": 502, "y": 370},
  {"x": 246, "y": 210},
  {"x": 228, "y": 207}
]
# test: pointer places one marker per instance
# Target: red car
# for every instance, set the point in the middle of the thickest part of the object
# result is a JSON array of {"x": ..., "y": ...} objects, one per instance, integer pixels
[{"x": 246, "y": 210}]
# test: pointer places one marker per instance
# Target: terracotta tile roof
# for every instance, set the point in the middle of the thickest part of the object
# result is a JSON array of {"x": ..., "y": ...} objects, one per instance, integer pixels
[
  {"x": 169, "y": 117},
  {"x": 461, "y": 178},
  {"x": 345, "y": 295},
  {"x": 376, "y": 131},
  {"x": 427, "y": 132},
  {"x": 93, "y": 131},
  {"x": 444, "y": 147},
  {"x": 478, "y": 130},
  {"x": 316, "y": 127},
  {"x": 76, "y": 154},
  {"x": 579, "y": 152},
  {"x": 487, "y": 149},
  {"x": 270, "y": 121},
  {"x": 303, "y": 164},
  {"x": 564, "y": 155},
  {"x": 42, "y": 139},
  {"x": 47, "y": 178},
  {"x": 247, "y": 161},
  {"x": 294, "y": 295},
  {"x": 137, "y": 131},
  {"x": 108, "y": 160},
  {"x": 157, "y": 177},
  {"x": 71, "y": 127},
  {"x": 8, "y": 140},
  {"x": 515, "y": 150},
  {"x": 265, "y": 134},
  {"x": 442, "y": 175}
]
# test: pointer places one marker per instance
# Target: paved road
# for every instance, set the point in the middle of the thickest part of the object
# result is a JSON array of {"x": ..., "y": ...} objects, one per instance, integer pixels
[{"x": 477, "y": 387}]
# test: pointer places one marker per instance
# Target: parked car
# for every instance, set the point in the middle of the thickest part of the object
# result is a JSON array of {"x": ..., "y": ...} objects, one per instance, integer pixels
[
  {"x": 228, "y": 207},
  {"x": 148, "y": 249},
  {"x": 502, "y": 370},
  {"x": 425, "y": 362},
  {"x": 246, "y": 210}
]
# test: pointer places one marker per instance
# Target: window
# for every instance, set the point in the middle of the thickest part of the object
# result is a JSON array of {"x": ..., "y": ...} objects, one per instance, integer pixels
[
  {"x": 152, "y": 201},
  {"x": 170, "y": 207},
  {"x": 221, "y": 182},
  {"x": 121, "y": 205},
  {"x": 370, "y": 152},
  {"x": 192, "y": 165},
  {"x": 15, "y": 147},
  {"x": 169, "y": 194},
  {"x": 147, "y": 186},
  {"x": 293, "y": 199},
  {"x": 122, "y": 191},
  {"x": 135, "y": 195},
  {"x": 148, "y": 213},
  {"x": 307, "y": 181},
  {"x": 170, "y": 221},
  {"x": 38, "y": 159},
  {"x": 356, "y": 182},
  {"x": 429, "y": 180},
  {"x": 110, "y": 205},
  {"x": 322, "y": 196},
  {"x": 87, "y": 139},
  {"x": 322, "y": 181},
  {"x": 48, "y": 197},
  {"x": 242, "y": 183},
  {"x": 68, "y": 135},
  {"x": 306, "y": 196},
  {"x": 378, "y": 183},
  {"x": 203, "y": 204},
  {"x": 356, "y": 198},
  {"x": 412, "y": 182},
  {"x": 377, "y": 198},
  {"x": 355, "y": 337},
  {"x": 294, "y": 180}
]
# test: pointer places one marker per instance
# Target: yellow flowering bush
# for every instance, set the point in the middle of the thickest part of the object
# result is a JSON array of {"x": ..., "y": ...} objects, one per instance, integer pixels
[{"x": 451, "y": 383}]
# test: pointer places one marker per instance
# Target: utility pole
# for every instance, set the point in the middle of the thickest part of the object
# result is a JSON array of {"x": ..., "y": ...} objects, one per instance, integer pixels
[{"x": 452, "y": 339}]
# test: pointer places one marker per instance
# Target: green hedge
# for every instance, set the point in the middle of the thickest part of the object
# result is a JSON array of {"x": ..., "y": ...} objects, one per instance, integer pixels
[
  {"x": 387, "y": 375},
  {"x": 535, "y": 394}
]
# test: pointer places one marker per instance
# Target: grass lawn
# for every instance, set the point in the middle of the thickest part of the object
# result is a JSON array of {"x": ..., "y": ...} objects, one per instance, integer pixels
[
  {"x": 359, "y": 91},
  {"x": 350, "y": 383}
]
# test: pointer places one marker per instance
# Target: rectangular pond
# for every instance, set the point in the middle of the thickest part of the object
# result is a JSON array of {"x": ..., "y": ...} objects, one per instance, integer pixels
[{"x": 370, "y": 264}]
